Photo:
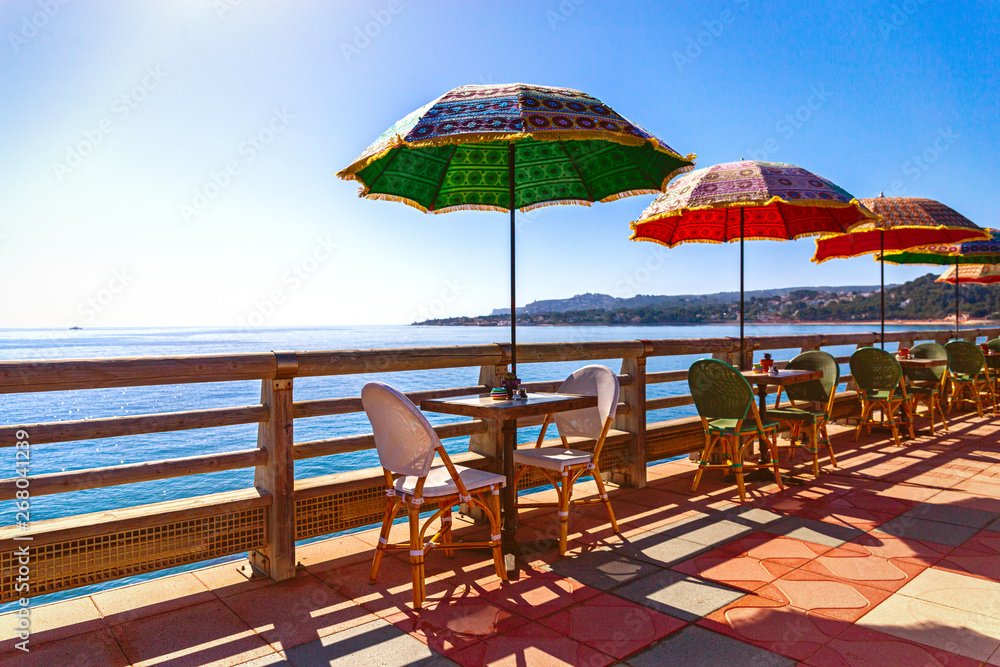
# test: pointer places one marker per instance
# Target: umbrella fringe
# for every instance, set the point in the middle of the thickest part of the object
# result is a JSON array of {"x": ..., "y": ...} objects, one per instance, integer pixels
[
  {"x": 817, "y": 203},
  {"x": 637, "y": 236},
  {"x": 875, "y": 251}
]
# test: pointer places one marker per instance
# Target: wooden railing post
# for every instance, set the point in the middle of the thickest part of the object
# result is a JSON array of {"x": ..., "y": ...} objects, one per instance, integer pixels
[
  {"x": 490, "y": 443},
  {"x": 277, "y": 476},
  {"x": 634, "y": 395}
]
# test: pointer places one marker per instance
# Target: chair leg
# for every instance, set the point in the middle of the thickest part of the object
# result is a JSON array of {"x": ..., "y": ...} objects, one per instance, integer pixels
[
  {"x": 944, "y": 424},
  {"x": 563, "y": 512},
  {"x": 705, "y": 454},
  {"x": 416, "y": 556},
  {"x": 930, "y": 410},
  {"x": 892, "y": 424},
  {"x": 604, "y": 497},
  {"x": 494, "y": 517},
  {"x": 909, "y": 411},
  {"x": 737, "y": 463},
  {"x": 866, "y": 408},
  {"x": 814, "y": 448},
  {"x": 446, "y": 530},
  {"x": 829, "y": 445},
  {"x": 772, "y": 448},
  {"x": 391, "y": 509}
]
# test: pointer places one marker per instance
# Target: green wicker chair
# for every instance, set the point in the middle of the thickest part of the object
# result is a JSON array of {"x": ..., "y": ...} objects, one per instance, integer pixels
[
  {"x": 878, "y": 377},
  {"x": 969, "y": 375},
  {"x": 811, "y": 403},
  {"x": 927, "y": 385},
  {"x": 725, "y": 401},
  {"x": 993, "y": 363}
]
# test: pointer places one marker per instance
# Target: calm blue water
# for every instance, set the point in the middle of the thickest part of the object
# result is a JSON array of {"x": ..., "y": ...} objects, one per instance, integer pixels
[{"x": 103, "y": 343}]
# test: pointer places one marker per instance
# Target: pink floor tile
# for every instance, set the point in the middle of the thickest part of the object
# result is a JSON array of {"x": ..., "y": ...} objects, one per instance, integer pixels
[
  {"x": 854, "y": 564},
  {"x": 814, "y": 593},
  {"x": 772, "y": 548},
  {"x": 97, "y": 648},
  {"x": 740, "y": 572},
  {"x": 538, "y": 595},
  {"x": 612, "y": 625},
  {"x": 979, "y": 556},
  {"x": 530, "y": 644},
  {"x": 893, "y": 548},
  {"x": 769, "y": 624},
  {"x": 454, "y": 623},
  {"x": 120, "y": 605}
]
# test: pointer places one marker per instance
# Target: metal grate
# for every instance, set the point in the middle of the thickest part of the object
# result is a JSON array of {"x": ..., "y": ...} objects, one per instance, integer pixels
[
  {"x": 614, "y": 457},
  {"x": 73, "y": 563},
  {"x": 332, "y": 512}
]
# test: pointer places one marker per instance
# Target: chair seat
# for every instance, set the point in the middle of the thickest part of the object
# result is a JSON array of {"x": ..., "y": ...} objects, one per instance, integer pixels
[
  {"x": 880, "y": 395},
  {"x": 552, "y": 458},
  {"x": 439, "y": 483},
  {"x": 749, "y": 425},
  {"x": 797, "y": 415},
  {"x": 963, "y": 377},
  {"x": 924, "y": 390}
]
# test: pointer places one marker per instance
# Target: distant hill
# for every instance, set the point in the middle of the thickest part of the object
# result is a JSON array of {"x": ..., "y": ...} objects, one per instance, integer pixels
[
  {"x": 591, "y": 301},
  {"x": 921, "y": 299}
]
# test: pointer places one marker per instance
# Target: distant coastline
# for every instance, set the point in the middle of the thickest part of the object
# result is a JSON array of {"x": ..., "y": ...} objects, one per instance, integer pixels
[{"x": 944, "y": 323}]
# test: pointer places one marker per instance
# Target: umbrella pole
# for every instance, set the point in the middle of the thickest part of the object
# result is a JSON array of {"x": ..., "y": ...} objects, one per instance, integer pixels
[
  {"x": 513, "y": 310},
  {"x": 742, "y": 365},
  {"x": 881, "y": 262},
  {"x": 957, "y": 275}
]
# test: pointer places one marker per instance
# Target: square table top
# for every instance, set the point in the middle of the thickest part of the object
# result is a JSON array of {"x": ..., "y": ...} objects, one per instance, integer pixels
[
  {"x": 781, "y": 378},
  {"x": 921, "y": 363},
  {"x": 485, "y": 407}
]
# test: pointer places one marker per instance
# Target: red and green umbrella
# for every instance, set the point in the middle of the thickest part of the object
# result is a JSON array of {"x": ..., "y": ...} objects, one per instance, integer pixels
[
  {"x": 907, "y": 222},
  {"x": 952, "y": 254},
  {"x": 748, "y": 200},
  {"x": 513, "y": 146}
]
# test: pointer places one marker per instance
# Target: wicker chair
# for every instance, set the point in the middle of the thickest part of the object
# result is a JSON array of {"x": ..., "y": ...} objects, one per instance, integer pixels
[
  {"x": 725, "y": 401},
  {"x": 878, "y": 377},
  {"x": 993, "y": 363},
  {"x": 969, "y": 375},
  {"x": 811, "y": 403},
  {"x": 406, "y": 445},
  {"x": 570, "y": 464},
  {"x": 927, "y": 385}
]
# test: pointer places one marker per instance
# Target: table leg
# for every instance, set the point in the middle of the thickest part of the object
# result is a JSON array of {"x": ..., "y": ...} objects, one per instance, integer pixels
[
  {"x": 509, "y": 533},
  {"x": 762, "y": 452}
]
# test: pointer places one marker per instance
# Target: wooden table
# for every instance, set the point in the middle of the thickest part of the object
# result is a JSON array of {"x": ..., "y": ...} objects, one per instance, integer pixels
[
  {"x": 507, "y": 412},
  {"x": 921, "y": 363},
  {"x": 764, "y": 380}
]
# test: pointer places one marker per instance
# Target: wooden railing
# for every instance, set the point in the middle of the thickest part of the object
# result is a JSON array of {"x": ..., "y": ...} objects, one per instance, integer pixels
[{"x": 267, "y": 520}]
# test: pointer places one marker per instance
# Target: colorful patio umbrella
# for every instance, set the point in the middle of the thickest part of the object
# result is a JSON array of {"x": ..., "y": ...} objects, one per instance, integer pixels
[
  {"x": 748, "y": 200},
  {"x": 513, "y": 146},
  {"x": 954, "y": 254},
  {"x": 907, "y": 222},
  {"x": 980, "y": 274}
]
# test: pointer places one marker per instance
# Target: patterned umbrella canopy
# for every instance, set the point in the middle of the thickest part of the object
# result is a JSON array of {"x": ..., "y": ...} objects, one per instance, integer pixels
[
  {"x": 513, "y": 146},
  {"x": 748, "y": 200},
  {"x": 907, "y": 222},
  {"x": 774, "y": 201},
  {"x": 569, "y": 148},
  {"x": 982, "y": 274},
  {"x": 970, "y": 252}
]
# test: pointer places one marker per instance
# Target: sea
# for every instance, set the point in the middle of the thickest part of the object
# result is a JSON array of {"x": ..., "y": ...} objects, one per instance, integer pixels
[{"x": 50, "y": 344}]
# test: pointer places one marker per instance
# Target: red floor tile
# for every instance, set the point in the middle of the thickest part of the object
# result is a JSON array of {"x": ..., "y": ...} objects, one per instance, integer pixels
[
  {"x": 893, "y": 548},
  {"x": 853, "y": 563},
  {"x": 861, "y": 647},
  {"x": 612, "y": 625},
  {"x": 772, "y": 548},
  {"x": 741, "y": 572},
  {"x": 454, "y": 623},
  {"x": 978, "y": 556},
  {"x": 93, "y": 648},
  {"x": 843, "y": 600},
  {"x": 530, "y": 644},
  {"x": 538, "y": 595},
  {"x": 776, "y": 627}
]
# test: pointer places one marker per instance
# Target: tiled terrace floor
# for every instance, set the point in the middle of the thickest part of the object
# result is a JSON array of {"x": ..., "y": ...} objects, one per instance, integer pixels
[{"x": 891, "y": 559}]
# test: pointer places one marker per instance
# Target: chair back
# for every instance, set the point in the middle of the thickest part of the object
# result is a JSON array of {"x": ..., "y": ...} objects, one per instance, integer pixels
[
  {"x": 595, "y": 380},
  {"x": 875, "y": 370},
  {"x": 719, "y": 390},
  {"x": 927, "y": 351},
  {"x": 403, "y": 437},
  {"x": 815, "y": 390},
  {"x": 964, "y": 358},
  {"x": 994, "y": 362}
]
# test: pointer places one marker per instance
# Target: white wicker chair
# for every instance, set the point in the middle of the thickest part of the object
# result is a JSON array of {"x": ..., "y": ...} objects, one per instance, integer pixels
[
  {"x": 570, "y": 464},
  {"x": 406, "y": 445}
]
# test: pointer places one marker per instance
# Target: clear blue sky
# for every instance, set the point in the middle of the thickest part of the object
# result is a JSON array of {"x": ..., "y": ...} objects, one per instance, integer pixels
[{"x": 117, "y": 117}]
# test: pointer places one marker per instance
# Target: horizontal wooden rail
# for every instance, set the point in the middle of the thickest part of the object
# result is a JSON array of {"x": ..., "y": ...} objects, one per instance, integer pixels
[
  {"x": 96, "y": 478},
  {"x": 666, "y": 376},
  {"x": 340, "y": 406},
  {"x": 112, "y": 427},
  {"x": 668, "y": 402},
  {"x": 355, "y": 443}
]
